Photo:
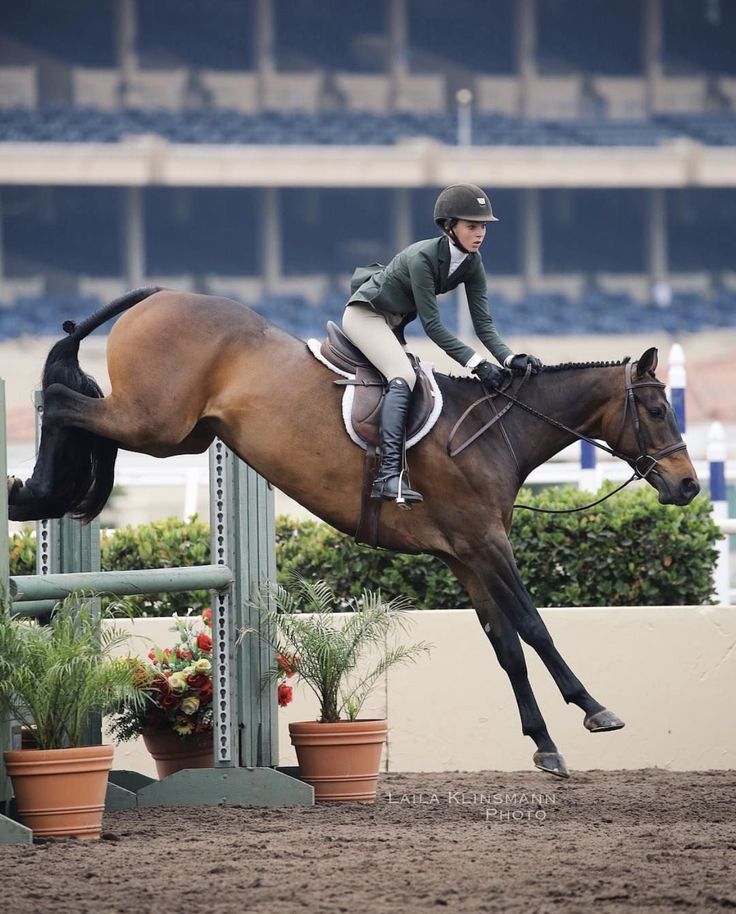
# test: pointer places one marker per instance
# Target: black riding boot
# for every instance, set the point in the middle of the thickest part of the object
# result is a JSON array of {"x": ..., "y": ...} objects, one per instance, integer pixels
[{"x": 389, "y": 484}]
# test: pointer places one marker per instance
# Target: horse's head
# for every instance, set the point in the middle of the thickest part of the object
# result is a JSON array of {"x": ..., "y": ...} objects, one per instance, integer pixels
[{"x": 644, "y": 432}]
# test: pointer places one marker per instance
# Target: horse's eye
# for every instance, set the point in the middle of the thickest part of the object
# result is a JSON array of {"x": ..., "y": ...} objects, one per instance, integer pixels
[{"x": 656, "y": 412}]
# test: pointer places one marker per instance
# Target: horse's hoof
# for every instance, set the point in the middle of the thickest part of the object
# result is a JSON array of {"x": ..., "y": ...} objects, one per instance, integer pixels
[
  {"x": 552, "y": 763},
  {"x": 14, "y": 485},
  {"x": 602, "y": 721}
]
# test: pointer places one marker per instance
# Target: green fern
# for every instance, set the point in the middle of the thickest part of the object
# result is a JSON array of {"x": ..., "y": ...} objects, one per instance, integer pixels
[
  {"x": 329, "y": 650},
  {"x": 53, "y": 677}
]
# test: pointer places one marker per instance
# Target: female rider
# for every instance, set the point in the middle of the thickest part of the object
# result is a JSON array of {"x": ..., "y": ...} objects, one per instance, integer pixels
[{"x": 385, "y": 299}]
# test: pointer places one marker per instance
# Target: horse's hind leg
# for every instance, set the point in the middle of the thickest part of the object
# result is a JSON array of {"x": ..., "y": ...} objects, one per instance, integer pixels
[
  {"x": 506, "y": 644},
  {"x": 55, "y": 484},
  {"x": 154, "y": 428},
  {"x": 70, "y": 463},
  {"x": 502, "y": 578}
]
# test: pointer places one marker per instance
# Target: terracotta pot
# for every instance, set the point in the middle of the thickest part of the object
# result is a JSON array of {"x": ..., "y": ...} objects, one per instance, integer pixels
[
  {"x": 340, "y": 760},
  {"x": 173, "y": 753},
  {"x": 60, "y": 793}
]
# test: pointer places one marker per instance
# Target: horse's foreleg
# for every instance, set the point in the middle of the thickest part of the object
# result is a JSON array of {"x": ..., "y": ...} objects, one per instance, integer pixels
[
  {"x": 507, "y": 647},
  {"x": 505, "y": 585}
]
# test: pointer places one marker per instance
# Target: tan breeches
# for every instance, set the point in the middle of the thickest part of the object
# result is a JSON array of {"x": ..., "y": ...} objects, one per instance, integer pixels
[{"x": 370, "y": 332}]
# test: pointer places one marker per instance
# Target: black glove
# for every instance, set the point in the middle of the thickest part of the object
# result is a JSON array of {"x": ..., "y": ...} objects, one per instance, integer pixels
[
  {"x": 490, "y": 375},
  {"x": 519, "y": 363}
]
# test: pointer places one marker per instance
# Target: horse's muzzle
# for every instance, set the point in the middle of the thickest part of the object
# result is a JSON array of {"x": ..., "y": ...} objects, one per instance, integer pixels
[{"x": 676, "y": 492}]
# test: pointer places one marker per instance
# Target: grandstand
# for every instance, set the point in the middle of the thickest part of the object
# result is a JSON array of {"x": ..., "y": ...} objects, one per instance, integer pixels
[{"x": 262, "y": 148}]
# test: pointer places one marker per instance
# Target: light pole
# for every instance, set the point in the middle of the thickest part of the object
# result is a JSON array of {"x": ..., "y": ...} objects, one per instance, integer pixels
[{"x": 464, "y": 98}]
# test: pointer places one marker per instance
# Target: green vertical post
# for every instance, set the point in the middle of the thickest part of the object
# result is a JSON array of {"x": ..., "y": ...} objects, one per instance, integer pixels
[
  {"x": 243, "y": 538},
  {"x": 64, "y": 545},
  {"x": 257, "y": 554},
  {"x": 224, "y": 624},
  {"x": 11, "y": 832}
]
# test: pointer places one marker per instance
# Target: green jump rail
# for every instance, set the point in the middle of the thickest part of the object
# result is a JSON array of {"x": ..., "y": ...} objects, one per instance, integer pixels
[
  {"x": 39, "y": 593},
  {"x": 119, "y": 583}
]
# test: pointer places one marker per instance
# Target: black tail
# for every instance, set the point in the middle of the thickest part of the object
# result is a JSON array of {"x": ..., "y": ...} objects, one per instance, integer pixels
[{"x": 85, "y": 480}]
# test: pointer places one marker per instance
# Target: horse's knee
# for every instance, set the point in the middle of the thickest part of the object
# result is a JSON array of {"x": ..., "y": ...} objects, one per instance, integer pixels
[
  {"x": 534, "y": 633},
  {"x": 508, "y": 651},
  {"x": 512, "y": 663}
]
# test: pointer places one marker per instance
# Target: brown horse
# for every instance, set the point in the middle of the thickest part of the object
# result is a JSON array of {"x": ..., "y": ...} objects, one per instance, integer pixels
[{"x": 186, "y": 368}]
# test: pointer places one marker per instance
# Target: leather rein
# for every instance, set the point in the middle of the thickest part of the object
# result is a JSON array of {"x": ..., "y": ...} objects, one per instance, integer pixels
[{"x": 641, "y": 465}]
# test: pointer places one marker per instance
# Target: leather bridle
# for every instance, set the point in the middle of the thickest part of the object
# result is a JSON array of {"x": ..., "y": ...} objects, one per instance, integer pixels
[
  {"x": 630, "y": 409},
  {"x": 642, "y": 465}
]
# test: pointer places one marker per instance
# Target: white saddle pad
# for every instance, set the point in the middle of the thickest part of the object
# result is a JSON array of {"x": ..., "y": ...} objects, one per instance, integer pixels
[{"x": 314, "y": 347}]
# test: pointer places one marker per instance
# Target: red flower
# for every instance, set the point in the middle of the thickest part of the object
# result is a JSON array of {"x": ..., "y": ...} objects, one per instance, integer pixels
[
  {"x": 198, "y": 681},
  {"x": 287, "y": 663},
  {"x": 170, "y": 700},
  {"x": 207, "y": 616},
  {"x": 204, "y": 642},
  {"x": 183, "y": 655},
  {"x": 286, "y": 693}
]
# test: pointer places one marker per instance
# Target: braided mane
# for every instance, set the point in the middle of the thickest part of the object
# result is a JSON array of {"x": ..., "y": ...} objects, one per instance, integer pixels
[{"x": 565, "y": 366}]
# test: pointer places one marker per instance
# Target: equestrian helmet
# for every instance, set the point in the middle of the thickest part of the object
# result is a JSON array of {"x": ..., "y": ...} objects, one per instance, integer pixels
[{"x": 463, "y": 201}]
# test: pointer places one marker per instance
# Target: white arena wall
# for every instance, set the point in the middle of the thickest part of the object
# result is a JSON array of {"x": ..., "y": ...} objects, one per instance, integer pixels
[
  {"x": 668, "y": 671},
  {"x": 147, "y": 159}
]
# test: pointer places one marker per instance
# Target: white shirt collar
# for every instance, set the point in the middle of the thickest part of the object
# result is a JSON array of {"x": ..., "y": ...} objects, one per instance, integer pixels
[{"x": 456, "y": 257}]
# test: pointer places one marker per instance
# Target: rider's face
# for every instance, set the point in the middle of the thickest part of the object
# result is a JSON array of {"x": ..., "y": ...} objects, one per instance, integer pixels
[{"x": 470, "y": 234}]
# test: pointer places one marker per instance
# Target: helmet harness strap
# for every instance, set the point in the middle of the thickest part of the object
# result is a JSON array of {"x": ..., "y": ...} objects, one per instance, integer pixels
[{"x": 453, "y": 237}]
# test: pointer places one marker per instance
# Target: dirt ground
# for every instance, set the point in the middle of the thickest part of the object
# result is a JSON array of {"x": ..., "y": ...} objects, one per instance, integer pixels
[{"x": 628, "y": 841}]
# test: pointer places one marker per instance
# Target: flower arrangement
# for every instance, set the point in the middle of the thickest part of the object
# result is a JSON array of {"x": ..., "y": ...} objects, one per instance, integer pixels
[{"x": 177, "y": 685}]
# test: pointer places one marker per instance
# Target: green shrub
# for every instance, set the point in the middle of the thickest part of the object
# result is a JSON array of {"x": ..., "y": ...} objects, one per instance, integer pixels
[
  {"x": 166, "y": 543},
  {"x": 315, "y": 550},
  {"x": 629, "y": 551}
]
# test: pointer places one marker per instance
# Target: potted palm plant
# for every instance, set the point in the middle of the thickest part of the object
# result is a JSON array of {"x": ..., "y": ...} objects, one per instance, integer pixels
[
  {"x": 53, "y": 678},
  {"x": 340, "y": 658}
]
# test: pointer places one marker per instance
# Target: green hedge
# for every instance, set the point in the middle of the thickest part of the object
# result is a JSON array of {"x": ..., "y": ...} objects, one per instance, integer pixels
[
  {"x": 629, "y": 551},
  {"x": 161, "y": 544}
]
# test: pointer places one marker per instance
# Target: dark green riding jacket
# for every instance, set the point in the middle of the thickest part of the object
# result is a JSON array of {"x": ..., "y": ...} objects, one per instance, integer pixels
[{"x": 410, "y": 284}]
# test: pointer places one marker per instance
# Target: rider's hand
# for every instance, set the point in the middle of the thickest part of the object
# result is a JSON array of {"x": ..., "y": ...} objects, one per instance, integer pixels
[
  {"x": 490, "y": 375},
  {"x": 518, "y": 363}
]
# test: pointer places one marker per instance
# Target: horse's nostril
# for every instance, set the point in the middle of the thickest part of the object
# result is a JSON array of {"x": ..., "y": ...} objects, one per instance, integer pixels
[{"x": 690, "y": 486}]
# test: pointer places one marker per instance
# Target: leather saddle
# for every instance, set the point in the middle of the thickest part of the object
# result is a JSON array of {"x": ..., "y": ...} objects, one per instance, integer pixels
[{"x": 370, "y": 387}]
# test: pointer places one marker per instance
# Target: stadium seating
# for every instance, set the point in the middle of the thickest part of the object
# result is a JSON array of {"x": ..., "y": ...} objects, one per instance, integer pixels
[
  {"x": 593, "y": 311},
  {"x": 62, "y": 125}
]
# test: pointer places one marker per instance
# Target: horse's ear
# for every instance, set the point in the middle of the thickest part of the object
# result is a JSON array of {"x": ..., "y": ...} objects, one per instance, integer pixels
[{"x": 648, "y": 362}]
